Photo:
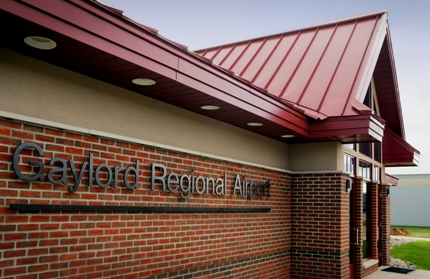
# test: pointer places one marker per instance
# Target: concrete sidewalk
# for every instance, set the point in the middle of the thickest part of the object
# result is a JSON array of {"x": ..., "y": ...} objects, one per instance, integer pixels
[{"x": 416, "y": 274}]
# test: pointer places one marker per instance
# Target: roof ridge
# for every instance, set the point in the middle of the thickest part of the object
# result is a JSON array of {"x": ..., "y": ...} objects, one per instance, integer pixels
[{"x": 314, "y": 26}]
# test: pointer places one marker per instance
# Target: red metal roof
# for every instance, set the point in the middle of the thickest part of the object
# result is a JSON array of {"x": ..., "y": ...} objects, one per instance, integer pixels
[
  {"x": 322, "y": 70},
  {"x": 309, "y": 83},
  {"x": 325, "y": 72}
]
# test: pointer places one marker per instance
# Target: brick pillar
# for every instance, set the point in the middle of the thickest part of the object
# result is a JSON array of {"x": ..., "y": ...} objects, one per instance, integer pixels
[
  {"x": 320, "y": 226},
  {"x": 373, "y": 193},
  {"x": 359, "y": 213},
  {"x": 385, "y": 226}
]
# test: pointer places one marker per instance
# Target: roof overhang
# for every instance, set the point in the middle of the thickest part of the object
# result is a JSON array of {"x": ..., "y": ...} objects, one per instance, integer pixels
[
  {"x": 350, "y": 129},
  {"x": 100, "y": 42},
  {"x": 397, "y": 152},
  {"x": 391, "y": 180}
]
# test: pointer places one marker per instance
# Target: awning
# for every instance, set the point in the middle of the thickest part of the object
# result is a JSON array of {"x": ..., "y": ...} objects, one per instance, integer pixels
[{"x": 397, "y": 152}]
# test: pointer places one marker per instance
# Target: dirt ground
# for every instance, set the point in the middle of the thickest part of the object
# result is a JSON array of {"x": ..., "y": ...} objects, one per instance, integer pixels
[{"x": 400, "y": 231}]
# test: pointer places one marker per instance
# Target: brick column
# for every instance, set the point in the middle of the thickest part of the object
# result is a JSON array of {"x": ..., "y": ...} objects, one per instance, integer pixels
[
  {"x": 320, "y": 226},
  {"x": 385, "y": 226},
  {"x": 373, "y": 193},
  {"x": 359, "y": 213}
]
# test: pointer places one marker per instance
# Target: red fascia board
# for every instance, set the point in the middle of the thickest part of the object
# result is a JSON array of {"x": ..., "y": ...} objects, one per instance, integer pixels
[
  {"x": 84, "y": 23},
  {"x": 79, "y": 34},
  {"x": 348, "y": 126},
  {"x": 397, "y": 152}
]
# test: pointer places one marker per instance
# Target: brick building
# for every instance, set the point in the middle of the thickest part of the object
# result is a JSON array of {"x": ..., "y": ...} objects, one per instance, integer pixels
[{"x": 125, "y": 155}]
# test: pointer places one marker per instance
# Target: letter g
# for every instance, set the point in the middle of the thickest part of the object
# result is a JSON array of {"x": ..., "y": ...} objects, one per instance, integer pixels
[{"x": 39, "y": 175}]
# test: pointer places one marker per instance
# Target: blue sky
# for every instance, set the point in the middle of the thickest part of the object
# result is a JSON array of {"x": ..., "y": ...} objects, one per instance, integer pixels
[{"x": 199, "y": 24}]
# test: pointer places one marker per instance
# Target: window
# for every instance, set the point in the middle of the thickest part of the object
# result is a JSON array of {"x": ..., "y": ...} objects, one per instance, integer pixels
[
  {"x": 367, "y": 220},
  {"x": 350, "y": 145},
  {"x": 377, "y": 151},
  {"x": 367, "y": 99},
  {"x": 377, "y": 174},
  {"x": 365, "y": 148},
  {"x": 349, "y": 162},
  {"x": 364, "y": 170}
]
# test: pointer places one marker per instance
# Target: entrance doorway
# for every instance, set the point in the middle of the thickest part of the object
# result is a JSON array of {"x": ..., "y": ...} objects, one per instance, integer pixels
[{"x": 362, "y": 220}]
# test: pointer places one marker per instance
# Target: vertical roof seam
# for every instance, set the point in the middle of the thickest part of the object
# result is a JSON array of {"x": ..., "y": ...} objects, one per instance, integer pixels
[
  {"x": 360, "y": 65},
  {"x": 299, "y": 64},
  {"x": 337, "y": 68},
  {"x": 268, "y": 58},
  {"x": 227, "y": 55},
  {"x": 282, "y": 61},
  {"x": 240, "y": 55},
  {"x": 317, "y": 65},
  {"x": 253, "y": 57},
  {"x": 216, "y": 53}
]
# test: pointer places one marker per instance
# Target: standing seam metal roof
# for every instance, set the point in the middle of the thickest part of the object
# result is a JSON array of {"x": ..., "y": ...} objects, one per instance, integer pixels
[{"x": 322, "y": 70}]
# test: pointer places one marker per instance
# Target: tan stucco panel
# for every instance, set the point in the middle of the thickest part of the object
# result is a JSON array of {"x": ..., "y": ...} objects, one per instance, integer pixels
[
  {"x": 310, "y": 157},
  {"x": 36, "y": 89}
]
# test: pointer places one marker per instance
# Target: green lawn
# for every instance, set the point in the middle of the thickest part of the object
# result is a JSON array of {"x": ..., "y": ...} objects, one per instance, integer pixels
[
  {"x": 416, "y": 231},
  {"x": 415, "y": 252}
]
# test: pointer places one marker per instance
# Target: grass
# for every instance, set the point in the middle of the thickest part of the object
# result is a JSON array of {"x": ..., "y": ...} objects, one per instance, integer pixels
[
  {"x": 415, "y": 252},
  {"x": 416, "y": 231}
]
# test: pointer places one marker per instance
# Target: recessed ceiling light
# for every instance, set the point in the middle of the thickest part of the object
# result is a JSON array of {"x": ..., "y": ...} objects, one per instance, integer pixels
[
  {"x": 255, "y": 124},
  {"x": 40, "y": 42},
  {"x": 287, "y": 136},
  {"x": 209, "y": 107},
  {"x": 143, "y": 81}
]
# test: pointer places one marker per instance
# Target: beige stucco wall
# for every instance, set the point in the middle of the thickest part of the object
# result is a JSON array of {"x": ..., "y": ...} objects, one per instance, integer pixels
[
  {"x": 310, "y": 157},
  {"x": 39, "y": 90}
]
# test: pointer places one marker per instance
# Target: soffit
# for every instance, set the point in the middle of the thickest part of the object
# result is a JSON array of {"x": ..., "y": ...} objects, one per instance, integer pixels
[{"x": 387, "y": 90}]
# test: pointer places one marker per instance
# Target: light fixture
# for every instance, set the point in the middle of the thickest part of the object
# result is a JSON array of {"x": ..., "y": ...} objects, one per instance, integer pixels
[
  {"x": 287, "y": 136},
  {"x": 143, "y": 81},
  {"x": 209, "y": 107},
  {"x": 254, "y": 124},
  {"x": 348, "y": 186},
  {"x": 388, "y": 192},
  {"x": 40, "y": 42}
]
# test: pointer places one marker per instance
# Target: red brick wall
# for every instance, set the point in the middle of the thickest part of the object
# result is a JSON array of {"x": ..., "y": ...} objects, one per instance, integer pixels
[
  {"x": 373, "y": 195},
  {"x": 137, "y": 245},
  {"x": 320, "y": 222},
  {"x": 385, "y": 226},
  {"x": 358, "y": 248}
]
